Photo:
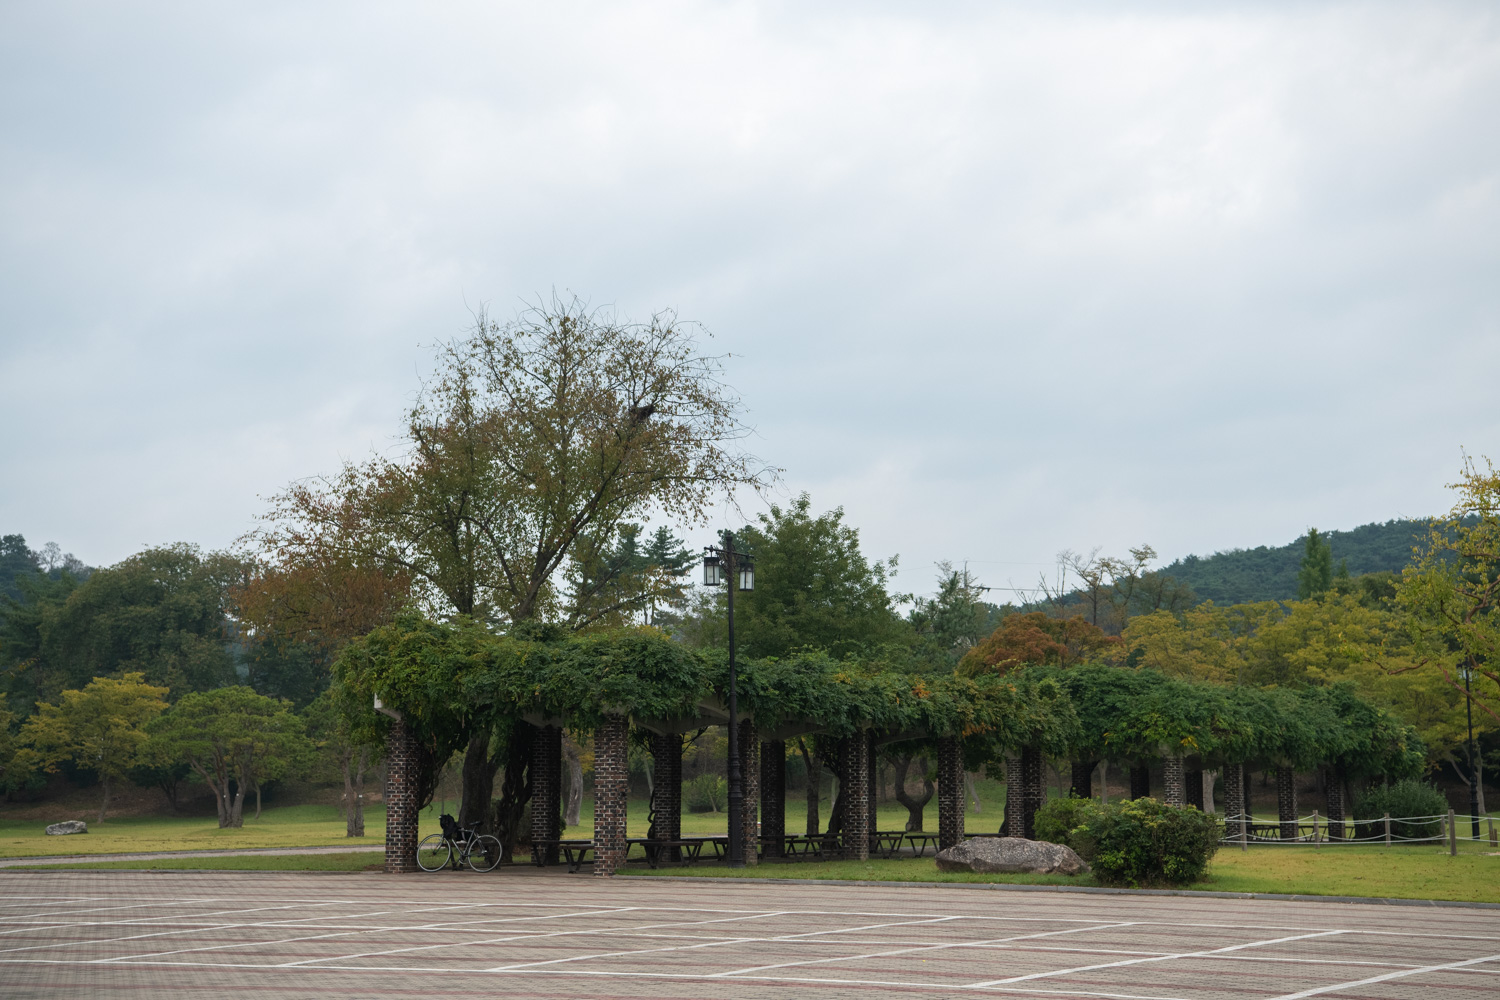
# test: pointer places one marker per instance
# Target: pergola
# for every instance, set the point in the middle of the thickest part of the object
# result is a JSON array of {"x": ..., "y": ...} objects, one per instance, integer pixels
[
  {"x": 609, "y": 682},
  {"x": 427, "y": 675}
]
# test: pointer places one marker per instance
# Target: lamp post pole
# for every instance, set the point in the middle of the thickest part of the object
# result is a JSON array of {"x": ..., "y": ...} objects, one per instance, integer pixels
[
  {"x": 1473, "y": 757},
  {"x": 736, "y": 782}
]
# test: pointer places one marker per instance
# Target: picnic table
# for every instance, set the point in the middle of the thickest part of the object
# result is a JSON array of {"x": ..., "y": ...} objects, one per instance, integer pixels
[
  {"x": 689, "y": 848},
  {"x": 919, "y": 842},
  {"x": 575, "y": 851},
  {"x": 798, "y": 846},
  {"x": 887, "y": 842}
]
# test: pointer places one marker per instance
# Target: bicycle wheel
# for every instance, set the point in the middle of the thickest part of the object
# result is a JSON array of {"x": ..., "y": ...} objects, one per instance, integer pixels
[
  {"x": 433, "y": 853},
  {"x": 484, "y": 853}
]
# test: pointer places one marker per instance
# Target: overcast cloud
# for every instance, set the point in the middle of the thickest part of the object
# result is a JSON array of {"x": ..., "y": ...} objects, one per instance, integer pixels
[{"x": 998, "y": 279}]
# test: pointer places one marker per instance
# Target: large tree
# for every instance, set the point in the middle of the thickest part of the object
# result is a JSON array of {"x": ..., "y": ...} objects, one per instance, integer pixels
[
  {"x": 100, "y": 728},
  {"x": 234, "y": 739},
  {"x": 162, "y": 612},
  {"x": 535, "y": 442},
  {"x": 813, "y": 588},
  {"x": 1451, "y": 594}
]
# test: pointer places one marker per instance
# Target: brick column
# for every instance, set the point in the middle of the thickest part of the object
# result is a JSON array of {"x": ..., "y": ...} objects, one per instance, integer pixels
[
  {"x": 1235, "y": 801},
  {"x": 1333, "y": 787},
  {"x": 773, "y": 797},
  {"x": 666, "y": 790},
  {"x": 1036, "y": 789},
  {"x": 872, "y": 795},
  {"x": 750, "y": 776},
  {"x": 950, "y": 792},
  {"x": 856, "y": 786},
  {"x": 611, "y": 788},
  {"x": 1192, "y": 788},
  {"x": 546, "y": 788},
  {"x": 1012, "y": 824},
  {"x": 1172, "y": 781},
  {"x": 1140, "y": 781},
  {"x": 401, "y": 780},
  {"x": 1286, "y": 801}
]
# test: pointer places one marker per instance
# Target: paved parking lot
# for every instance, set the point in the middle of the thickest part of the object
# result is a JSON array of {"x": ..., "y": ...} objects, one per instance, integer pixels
[{"x": 524, "y": 934}]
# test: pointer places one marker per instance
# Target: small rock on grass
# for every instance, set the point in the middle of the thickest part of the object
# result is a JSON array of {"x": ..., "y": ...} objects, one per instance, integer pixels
[
  {"x": 1010, "y": 855},
  {"x": 65, "y": 828}
]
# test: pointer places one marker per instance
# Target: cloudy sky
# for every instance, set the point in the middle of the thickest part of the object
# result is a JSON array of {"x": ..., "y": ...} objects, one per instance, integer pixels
[{"x": 998, "y": 279}]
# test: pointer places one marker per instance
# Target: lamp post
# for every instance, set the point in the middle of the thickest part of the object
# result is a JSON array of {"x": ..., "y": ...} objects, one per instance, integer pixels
[
  {"x": 1473, "y": 758},
  {"x": 723, "y": 565}
]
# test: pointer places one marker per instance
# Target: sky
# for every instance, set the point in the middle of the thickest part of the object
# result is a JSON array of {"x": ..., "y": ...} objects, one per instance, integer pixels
[{"x": 998, "y": 279}]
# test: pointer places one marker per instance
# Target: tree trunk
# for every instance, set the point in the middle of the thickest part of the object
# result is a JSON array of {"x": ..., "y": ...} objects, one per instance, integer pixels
[
  {"x": 478, "y": 783},
  {"x": 969, "y": 787},
  {"x": 257, "y": 800},
  {"x": 814, "y": 786},
  {"x": 914, "y": 806},
  {"x": 1083, "y": 779},
  {"x": 841, "y": 791},
  {"x": 354, "y": 793},
  {"x": 515, "y": 791},
  {"x": 237, "y": 806},
  {"x": 1104, "y": 782},
  {"x": 574, "y": 755},
  {"x": 104, "y": 803}
]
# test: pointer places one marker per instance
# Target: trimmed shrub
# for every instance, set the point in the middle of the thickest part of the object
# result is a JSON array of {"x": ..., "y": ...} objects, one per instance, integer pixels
[
  {"x": 1407, "y": 797},
  {"x": 1056, "y": 821},
  {"x": 1139, "y": 842}
]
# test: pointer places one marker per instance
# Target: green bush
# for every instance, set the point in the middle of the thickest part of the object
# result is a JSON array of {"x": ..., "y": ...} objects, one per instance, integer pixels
[
  {"x": 1407, "y": 797},
  {"x": 706, "y": 793},
  {"x": 1140, "y": 841},
  {"x": 1056, "y": 821}
]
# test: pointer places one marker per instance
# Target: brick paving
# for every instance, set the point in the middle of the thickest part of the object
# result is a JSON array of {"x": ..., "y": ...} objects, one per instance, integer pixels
[{"x": 524, "y": 933}]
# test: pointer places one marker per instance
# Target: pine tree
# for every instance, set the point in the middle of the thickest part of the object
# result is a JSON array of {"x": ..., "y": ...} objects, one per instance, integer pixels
[{"x": 1316, "y": 574}]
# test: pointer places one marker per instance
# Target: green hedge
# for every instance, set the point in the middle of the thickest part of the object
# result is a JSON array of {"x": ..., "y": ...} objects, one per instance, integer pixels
[{"x": 1136, "y": 842}]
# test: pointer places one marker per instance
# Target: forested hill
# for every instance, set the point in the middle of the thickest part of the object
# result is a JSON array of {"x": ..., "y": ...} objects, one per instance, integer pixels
[{"x": 1267, "y": 574}]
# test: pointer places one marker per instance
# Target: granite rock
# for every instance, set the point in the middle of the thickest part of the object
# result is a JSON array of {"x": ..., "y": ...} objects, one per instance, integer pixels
[{"x": 1010, "y": 854}]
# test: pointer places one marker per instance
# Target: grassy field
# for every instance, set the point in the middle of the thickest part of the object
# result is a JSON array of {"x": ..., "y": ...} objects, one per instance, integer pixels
[
  {"x": 1395, "y": 872},
  {"x": 351, "y": 862},
  {"x": 1424, "y": 872}
]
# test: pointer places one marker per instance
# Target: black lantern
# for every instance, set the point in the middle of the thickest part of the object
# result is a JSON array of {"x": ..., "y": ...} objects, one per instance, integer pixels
[{"x": 713, "y": 570}]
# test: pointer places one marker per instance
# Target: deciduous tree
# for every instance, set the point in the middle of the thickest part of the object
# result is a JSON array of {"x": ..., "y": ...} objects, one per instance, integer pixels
[{"x": 100, "y": 728}]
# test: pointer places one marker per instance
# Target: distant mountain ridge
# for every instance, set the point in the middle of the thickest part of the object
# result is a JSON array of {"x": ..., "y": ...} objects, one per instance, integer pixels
[{"x": 1239, "y": 576}]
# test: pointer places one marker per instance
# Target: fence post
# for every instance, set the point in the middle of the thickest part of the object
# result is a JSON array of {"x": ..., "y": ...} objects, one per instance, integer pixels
[
  {"x": 1387, "y": 829},
  {"x": 1452, "y": 835},
  {"x": 1245, "y": 834},
  {"x": 1315, "y": 830},
  {"x": 1494, "y": 842}
]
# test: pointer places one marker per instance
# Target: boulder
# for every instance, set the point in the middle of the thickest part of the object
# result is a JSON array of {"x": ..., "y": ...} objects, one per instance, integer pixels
[
  {"x": 1010, "y": 854},
  {"x": 71, "y": 826}
]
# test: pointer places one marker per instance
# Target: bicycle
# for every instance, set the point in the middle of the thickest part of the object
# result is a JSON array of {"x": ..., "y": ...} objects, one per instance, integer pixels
[{"x": 458, "y": 846}]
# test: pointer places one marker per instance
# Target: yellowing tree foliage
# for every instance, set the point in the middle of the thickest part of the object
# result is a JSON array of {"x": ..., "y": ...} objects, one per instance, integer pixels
[{"x": 101, "y": 728}]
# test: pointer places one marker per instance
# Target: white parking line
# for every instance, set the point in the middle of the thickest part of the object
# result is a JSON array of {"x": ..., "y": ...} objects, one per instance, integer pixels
[
  {"x": 1387, "y": 977},
  {"x": 1158, "y": 958},
  {"x": 910, "y": 950}
]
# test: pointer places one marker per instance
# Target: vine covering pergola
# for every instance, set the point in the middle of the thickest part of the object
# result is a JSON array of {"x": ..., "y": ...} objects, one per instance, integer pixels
[{"x": 436, "y": 682}]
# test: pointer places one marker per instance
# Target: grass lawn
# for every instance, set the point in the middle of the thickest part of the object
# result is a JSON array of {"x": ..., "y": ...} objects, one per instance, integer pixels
[
  {"x": 1395, "y": 872},
  {"x": 287, "y": 826},
  {"x": 353, "y": 862}
]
